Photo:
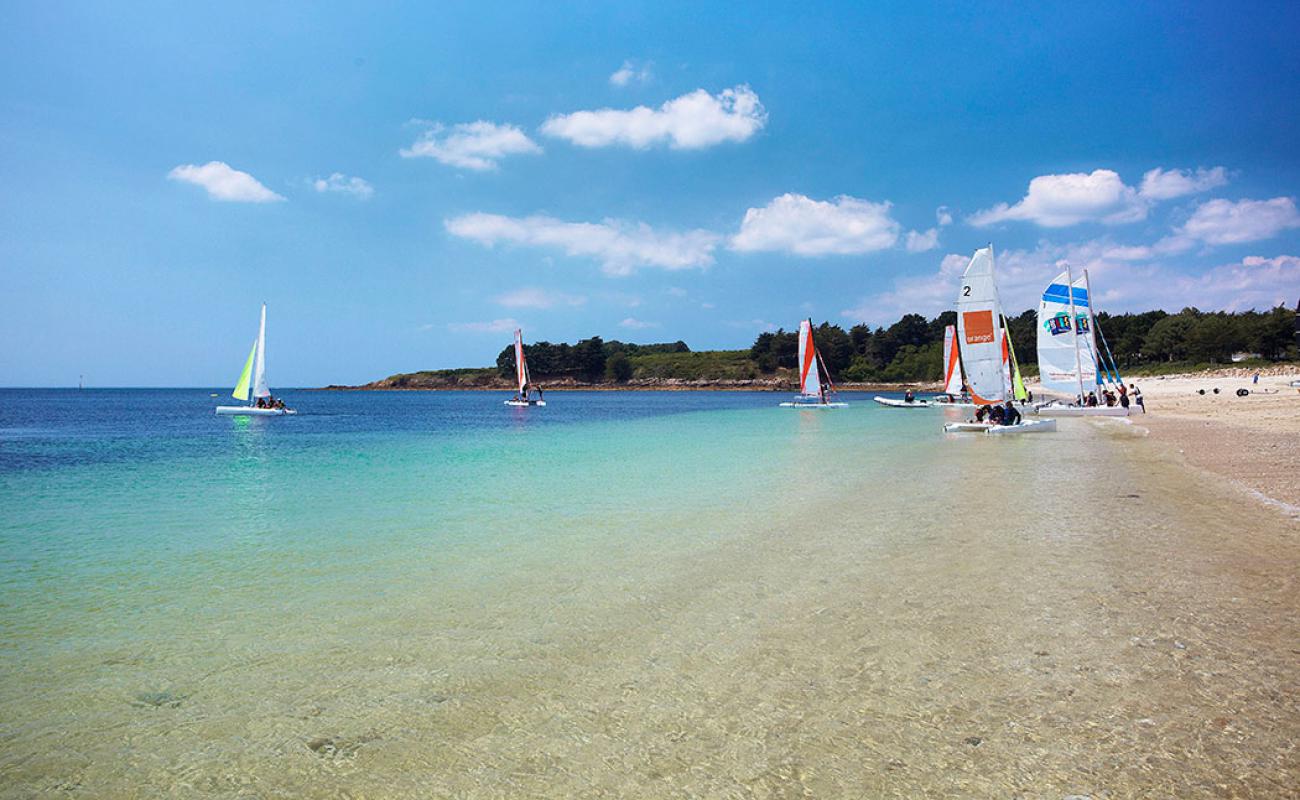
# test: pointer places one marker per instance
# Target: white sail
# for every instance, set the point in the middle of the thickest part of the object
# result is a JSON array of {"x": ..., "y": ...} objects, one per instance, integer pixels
[
  {"x": 259, "y": 369},
  {"x": 951, "y": 362},
  {"x": 810, "y": 379},
  {"x": 1067, "y": 361},
  {"x": 521, "y": 366},
  {"x": 979, "y": 328}
]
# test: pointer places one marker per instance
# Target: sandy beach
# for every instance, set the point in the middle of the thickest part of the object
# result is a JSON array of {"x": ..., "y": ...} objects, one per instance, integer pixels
[{"x": 1252, "y": 441}]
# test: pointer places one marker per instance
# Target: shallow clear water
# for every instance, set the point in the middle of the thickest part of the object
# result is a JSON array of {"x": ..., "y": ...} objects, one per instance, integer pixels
[{"x": 656, "y": 594}]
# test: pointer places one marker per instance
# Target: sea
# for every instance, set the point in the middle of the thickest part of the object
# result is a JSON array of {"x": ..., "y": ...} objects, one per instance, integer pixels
[{"x": 625, "y": 594}]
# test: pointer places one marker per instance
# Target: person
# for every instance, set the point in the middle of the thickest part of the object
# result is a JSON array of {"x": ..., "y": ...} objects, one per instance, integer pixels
[
  {"x": 981, "y": 413},
  {"x": 908, "y": 397},
  {"x": 1029, "y": 396},
  {"x": 1092, "y": 400},
  {"x": 1123, "y": 398},
  {"x": 1137, "y": 397},
  {"x": 995, "y": 414},
  {"x": 539, "y": 394},
  {"x": 279, "y": 403},
  {"x": 1255, "y": 379},
  {"x": 1010, "y": 416}
]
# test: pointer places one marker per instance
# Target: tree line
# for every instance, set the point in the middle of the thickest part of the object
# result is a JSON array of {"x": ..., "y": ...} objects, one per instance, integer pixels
[
  {"x": 911, "y": 349},
  {"x": 588, "y": 360}
]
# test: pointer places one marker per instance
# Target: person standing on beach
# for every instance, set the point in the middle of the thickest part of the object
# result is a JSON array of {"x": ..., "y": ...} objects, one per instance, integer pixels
[{"x": 1137, "y": 397}]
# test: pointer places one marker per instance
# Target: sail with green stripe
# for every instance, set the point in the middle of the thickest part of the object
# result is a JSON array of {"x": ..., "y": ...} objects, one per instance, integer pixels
[{"x": 245, "y": 377}]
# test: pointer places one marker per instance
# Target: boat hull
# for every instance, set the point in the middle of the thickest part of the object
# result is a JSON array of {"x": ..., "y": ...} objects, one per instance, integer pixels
[
  {"x": 1052, "y": 410},
  {"x": 814, "y": 405},
  {"x": 890, "y": 402},
  {"x": 967, "y": 427},
  {"x": 1030, "y": 426},
  {"x": 250, "y": 411},
  {"x": 525, "y": 403}
]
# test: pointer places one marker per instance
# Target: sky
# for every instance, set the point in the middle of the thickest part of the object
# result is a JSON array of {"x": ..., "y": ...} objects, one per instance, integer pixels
[{"x": 405, "y": 184}]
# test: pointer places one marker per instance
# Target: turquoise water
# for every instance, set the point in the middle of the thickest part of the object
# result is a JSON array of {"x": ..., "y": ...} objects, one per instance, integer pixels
[{"x": 431, "y": 594}]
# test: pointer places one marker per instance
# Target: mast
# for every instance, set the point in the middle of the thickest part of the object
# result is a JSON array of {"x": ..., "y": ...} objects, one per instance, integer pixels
[{"x": 1074, "y": 327}]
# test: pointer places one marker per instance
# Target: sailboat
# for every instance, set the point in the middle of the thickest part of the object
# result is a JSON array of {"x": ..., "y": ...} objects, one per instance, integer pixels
[
  {"x": 984, "y": 346},
  {"x": 251, "y": 385},
  {"x": 521, "y": 377},
  {"x": 813, "y": 391},
  {"x": 1068, "y": 358}
]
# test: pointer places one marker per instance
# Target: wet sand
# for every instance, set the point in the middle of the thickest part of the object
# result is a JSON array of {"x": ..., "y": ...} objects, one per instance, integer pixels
[{"x": 1252, "y": 442}]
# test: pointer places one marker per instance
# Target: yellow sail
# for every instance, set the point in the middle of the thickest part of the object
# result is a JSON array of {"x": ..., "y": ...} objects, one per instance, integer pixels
[{"x": 241, "y": 388}]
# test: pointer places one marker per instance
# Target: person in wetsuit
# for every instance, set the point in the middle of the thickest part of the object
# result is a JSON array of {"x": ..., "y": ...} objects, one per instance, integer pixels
[{"x": 1010, "y": 416}]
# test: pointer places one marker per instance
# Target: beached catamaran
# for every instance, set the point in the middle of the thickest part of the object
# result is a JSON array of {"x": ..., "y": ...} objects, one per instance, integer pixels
[
  {"x": 987, "y": 358},
  {"x": 813, "y": 391},
  {"x": 1069, "y": 361},
  {"x": 954, "y": 386},
  {"x": 251, "y": 385},
  {"x": 526, "y": 387}
]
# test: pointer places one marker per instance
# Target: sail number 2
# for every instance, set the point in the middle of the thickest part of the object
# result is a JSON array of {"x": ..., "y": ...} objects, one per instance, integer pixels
[{"x": 965, "y": 291}]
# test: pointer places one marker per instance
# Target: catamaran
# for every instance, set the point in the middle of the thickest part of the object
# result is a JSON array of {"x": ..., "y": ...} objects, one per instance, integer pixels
[
  {"x": 252, "y": 383},
  {"x": 954, "y": 386},
  {"x": 526, "y": 387},
  {"x": 987, "y": 357},
  {"x": 813, "y": 391},
  {"x": 1069, "y": 361}
]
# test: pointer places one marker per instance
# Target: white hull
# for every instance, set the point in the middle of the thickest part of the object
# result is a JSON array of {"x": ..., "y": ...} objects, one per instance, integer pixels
[
  {"x": 1030, "y": 426},
  {"x": 250, "y": 411},
  {"x": 814, "y": 405},
  {"x": 966, "y": 427},
  {"x": 893, "y": 403},
  {"x": 522, "y": 403},
  {"x": 1054, "y": 410}
]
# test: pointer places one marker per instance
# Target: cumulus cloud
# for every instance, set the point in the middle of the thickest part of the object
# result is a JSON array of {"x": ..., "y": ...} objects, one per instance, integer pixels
[
  {"x": 471, "y": 145},
  {"x": 1123, "y": 278},
  {"x": 632, "y": 323},
  {"x": 1163, "y": 184},
  {"x": 921, "y": 242},
  {"x": 619, "y": 246},
  {"x": 538, "y": 298},
  {"x": 223, "y": 182},
  {"x": 630, "y": 72},
  {"x": 943, "y": 216},
  {"x": 495, "y": 326},
  {"x": 689, "y": 122},
  {"x": 1056, "y": 201},
  {"x": 797, "y": 224},
  {"x": 1228, "y": 222},
  {"x": 342, "y": 184}
]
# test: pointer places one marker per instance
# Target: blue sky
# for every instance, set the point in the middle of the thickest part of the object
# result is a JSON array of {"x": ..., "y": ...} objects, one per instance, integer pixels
[{"x": 403, "y": 184}]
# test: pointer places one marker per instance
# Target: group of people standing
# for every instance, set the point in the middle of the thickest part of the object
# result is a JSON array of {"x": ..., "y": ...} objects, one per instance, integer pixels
[{"x": 1123, "y": 396}]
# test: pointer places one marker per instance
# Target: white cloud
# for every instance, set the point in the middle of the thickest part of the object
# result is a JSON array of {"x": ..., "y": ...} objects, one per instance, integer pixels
[
  {"x": 632, "y": 323},
  {"x": 943, "y": 216},
  {"x": 538, "y": 298},
  {"x": 620, "y": 246},
  {"x": 1055, "y": 201},
  {"x": 921, "y": 242},
  {"x": 472, "y": 145},
  {"x": 1162, "y": 184},
  {"x": 1123, "y": 278},
  {"x": 338, "y": 182},
  {"x": 803, "y": 226},
  {"x": 1226, "y": 222},
  {"x": 689, "y": 122},
  {"x": 222, "y": 182},
  {"x": 495, "y": 326},
  {"x": 760, "y": 325},
  {"x": 676, "y": 291},
  {"x": 631, "y": 73}
]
